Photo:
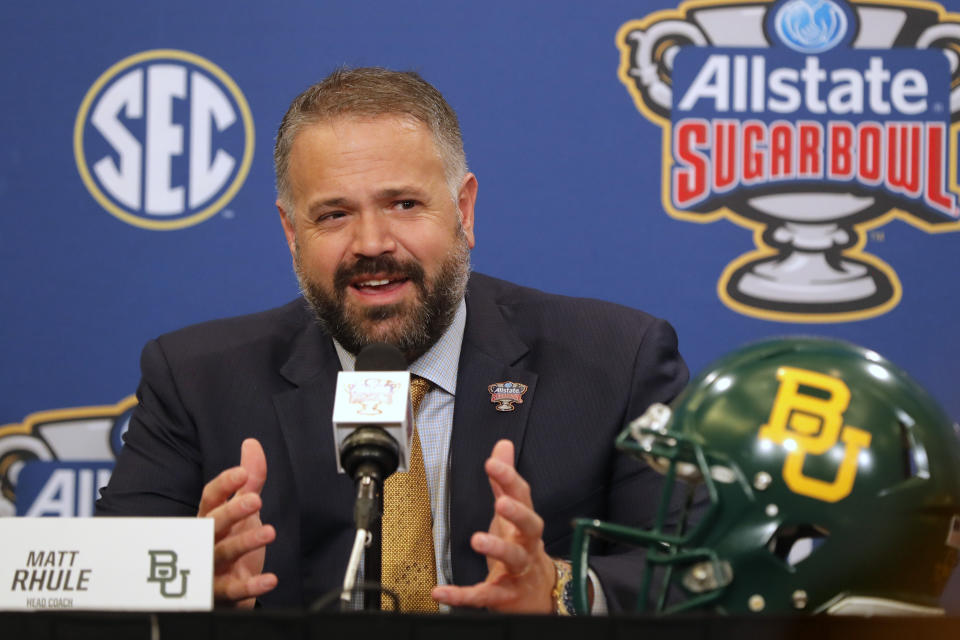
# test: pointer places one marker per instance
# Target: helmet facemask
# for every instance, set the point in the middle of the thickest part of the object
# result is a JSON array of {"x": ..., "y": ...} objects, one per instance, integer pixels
[{"x": 671, "y": 552}]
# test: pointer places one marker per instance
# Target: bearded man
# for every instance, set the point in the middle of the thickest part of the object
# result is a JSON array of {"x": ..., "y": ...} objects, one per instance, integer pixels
[{"x": 377, "y": 206}]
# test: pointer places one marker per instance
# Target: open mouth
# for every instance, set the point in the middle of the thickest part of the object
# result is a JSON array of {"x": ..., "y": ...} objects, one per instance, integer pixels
[{"x": 378, "y": 284}]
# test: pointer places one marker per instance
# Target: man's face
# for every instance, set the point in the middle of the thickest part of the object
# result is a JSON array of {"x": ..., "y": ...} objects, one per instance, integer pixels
[{"x": 380, "y": 247}]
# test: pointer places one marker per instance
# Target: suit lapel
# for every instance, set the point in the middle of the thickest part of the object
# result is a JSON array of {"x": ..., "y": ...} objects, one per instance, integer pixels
[
  {"x": 490, "y": 354},
  {"x": 304, "y": 413}
]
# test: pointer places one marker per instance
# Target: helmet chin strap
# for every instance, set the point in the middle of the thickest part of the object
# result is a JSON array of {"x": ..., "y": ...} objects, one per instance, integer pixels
[{"x": 867, "y": 606}]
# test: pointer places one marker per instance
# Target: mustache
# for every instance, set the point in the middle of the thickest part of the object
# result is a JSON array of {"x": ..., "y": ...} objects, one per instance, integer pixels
[{"x": 365, "y": 265}]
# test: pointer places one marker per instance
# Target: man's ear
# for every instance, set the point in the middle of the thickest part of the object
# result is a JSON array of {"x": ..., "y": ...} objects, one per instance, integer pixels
[
  {"x": 288, "y": 229},
  {"x": 466, "y": 200}
]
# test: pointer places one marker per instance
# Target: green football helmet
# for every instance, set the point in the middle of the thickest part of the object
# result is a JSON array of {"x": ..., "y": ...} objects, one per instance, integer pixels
[{"x": 831, "y": 483}]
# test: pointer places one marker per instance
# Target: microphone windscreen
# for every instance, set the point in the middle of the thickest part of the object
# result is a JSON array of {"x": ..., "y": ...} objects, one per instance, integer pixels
[{"x": 380, "y": 356}]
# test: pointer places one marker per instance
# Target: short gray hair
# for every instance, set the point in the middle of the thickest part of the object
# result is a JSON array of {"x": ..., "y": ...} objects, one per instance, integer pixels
[{"x": 372, "y": 91}]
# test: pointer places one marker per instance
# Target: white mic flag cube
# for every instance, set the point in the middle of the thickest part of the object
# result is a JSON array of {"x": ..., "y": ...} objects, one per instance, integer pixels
[{"x": 374, "y": 398}]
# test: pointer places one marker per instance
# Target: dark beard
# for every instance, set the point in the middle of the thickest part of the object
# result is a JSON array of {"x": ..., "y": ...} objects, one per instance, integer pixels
[{"x": 421, "y": 322}]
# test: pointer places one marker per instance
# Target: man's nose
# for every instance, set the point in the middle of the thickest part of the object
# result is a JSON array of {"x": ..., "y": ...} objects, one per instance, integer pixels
[{"x": 373, "y": 235}]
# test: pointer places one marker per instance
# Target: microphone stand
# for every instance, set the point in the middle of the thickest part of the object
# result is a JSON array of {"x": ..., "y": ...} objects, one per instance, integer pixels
[{"x": 369, "y": 455}]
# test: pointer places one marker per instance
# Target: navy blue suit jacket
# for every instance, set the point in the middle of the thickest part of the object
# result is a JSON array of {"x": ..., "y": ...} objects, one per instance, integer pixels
[{"x": 590, "y": 368}]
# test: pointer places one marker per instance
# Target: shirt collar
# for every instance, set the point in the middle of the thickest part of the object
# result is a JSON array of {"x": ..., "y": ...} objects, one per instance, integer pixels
[{"x": 439, "y": 364}]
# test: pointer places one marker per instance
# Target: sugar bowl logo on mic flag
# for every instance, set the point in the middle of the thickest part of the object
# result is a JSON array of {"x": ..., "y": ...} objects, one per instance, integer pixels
[
  {"x": 371, "y": 395},
  {"x": 809, "y": 122}
]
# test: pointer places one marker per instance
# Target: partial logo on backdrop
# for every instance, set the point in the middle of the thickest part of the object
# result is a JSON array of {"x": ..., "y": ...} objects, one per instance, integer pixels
[
  {"x": 163, "y": 139},
  {"x": 809, "y": 122},
  {"x": 55, "y": 462}
]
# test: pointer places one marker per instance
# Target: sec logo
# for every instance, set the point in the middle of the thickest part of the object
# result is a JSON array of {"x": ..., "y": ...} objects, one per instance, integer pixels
[{"x": 163, "y": 139}]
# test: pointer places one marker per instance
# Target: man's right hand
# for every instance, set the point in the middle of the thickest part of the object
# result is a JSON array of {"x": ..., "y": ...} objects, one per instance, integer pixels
[{"x": 232, "y": 499}]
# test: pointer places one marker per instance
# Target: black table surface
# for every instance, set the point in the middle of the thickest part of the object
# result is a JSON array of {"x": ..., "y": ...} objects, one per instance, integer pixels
[{"x": 265, "y": 625}]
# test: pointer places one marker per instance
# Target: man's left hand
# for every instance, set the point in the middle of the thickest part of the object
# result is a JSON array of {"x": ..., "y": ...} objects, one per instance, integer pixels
[{"x": 521, "y": 575}]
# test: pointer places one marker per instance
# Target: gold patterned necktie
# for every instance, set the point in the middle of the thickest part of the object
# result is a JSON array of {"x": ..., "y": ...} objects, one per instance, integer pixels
[{"x": 408, "y": 566}]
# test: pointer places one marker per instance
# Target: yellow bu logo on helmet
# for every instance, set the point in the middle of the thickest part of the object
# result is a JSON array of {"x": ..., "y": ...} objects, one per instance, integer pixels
[{"x": 807, "y": 418}]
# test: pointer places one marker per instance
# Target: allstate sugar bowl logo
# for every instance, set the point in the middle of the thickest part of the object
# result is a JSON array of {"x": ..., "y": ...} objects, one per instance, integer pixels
[
  {"x": 809, "y": 122},
  {"x": 163, "y": 139}
]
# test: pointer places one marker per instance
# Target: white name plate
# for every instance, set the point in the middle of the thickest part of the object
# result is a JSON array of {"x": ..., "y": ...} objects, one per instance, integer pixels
[{"x": 120, "y": 564}]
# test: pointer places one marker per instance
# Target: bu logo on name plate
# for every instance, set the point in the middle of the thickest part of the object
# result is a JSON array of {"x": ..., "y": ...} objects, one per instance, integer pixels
[{"x": 164, "y": 570}]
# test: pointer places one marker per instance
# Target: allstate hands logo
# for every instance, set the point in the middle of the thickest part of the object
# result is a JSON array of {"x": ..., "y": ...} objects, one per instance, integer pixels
[{"x": 811, "y": 26}]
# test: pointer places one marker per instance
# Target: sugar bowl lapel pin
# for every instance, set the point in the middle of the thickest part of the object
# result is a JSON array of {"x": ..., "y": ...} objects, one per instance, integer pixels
[{"x": 505, "y": 394}]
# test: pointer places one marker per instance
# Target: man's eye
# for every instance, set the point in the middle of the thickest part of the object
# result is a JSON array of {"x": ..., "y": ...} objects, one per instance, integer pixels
[
  {"x": 330, "y": 217},
  {"x": 406, "y": 204}
]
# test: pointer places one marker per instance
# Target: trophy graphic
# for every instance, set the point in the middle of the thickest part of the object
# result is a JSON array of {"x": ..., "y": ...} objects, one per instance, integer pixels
[{"x": 809, "y": 122}]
